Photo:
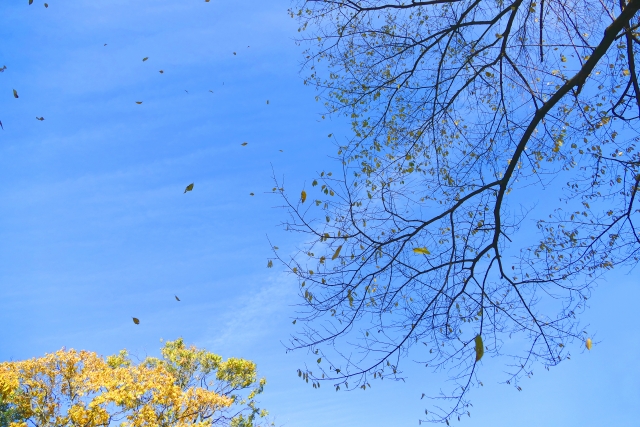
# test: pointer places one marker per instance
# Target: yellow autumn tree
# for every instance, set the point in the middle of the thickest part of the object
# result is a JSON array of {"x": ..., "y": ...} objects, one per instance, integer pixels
[{"x": 187, "y": 386}]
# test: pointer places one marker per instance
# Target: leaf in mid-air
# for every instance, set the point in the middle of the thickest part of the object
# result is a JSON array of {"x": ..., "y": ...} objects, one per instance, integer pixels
[
  {"x": 189, "y": 187},
  {"x": 15, "y": 93},
  {"x": 30, "y": 1},
  {"x": 267, "y": 102},
  {"x": 423, "y": 251},
  {"x": 303, "y": 196},
  {"x": 270, "y": 264},
  {"x": 161, "y": 72},
  {"x": 39, "y": 118},
  {"x": 135, "y": 320},
  {"x": 244, "y": 143},
  {"x": 479, "y": 347},
  {"x": 588, "y": 343},
  {"x": 145, "y": 58},
  {"x": 46, "y": 5},
  {"x": 251, "y": 194},
  {"x": 177, "y": 299},
  {"x": 336, "y": 254},
  {"x": 138, "y": 102}
]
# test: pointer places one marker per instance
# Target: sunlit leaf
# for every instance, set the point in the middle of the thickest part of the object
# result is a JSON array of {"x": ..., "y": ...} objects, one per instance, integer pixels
[
  {"x": 588, "y": 343},
  {"x": 189, "y": 187},
  {"x": 479, "y": 347},
  {"x": 337, "y": 252},
  {"x": 303, "y": 196},
  {"x": 135, "y": 320},
  {"x": 423, "y": 251}
]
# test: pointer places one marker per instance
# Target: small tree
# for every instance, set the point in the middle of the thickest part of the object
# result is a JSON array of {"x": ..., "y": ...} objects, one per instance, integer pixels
[
  {"x": 187, "y": 386},
  {"x": 463, "y": 111}
]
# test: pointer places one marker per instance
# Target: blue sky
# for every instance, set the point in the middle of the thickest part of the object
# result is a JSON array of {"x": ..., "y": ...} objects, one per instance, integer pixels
[{"x": 95, "y": 227}]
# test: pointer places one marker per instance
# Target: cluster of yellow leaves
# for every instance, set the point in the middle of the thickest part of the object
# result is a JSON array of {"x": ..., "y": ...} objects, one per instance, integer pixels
[{"x": 71, "y": 388}]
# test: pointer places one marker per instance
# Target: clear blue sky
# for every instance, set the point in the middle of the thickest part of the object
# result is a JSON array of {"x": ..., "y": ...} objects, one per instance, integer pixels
[{"x": 95, "y": 228}]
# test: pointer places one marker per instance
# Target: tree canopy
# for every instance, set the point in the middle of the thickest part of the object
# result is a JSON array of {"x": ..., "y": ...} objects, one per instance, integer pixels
[
  {"x": 187, "y": 386},
  {"x": 427, "y": 240}
]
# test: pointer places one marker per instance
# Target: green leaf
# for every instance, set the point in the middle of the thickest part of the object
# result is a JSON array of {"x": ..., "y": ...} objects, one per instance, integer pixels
[
  {"x": 15, "y": 92},
  {"x": 479, "y": 347},
  {"x": 189, "y": 187},
  {"x": 337, "y": 252},
  {"x": 319, "y": 360}
]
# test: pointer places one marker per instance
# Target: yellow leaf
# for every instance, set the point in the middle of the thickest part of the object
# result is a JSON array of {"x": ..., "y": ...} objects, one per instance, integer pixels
[
  {"x": 303, "y": 196},
  {"x": 244, "y": 143},
  {"x": 189, "y": 187},
  {"x": 270, "y": 264},
  {"x": 588, "y": 344},
  {"x": 145, "y": 58},
  {"x": 337, "y": 252},
  {"x": 15, "y": 93},
  {"x": 479, "y": 347},
  {"x": 625, "y": 72},
  {"x": 423, "y": 251},
  {"x": 135, "y": 320}
]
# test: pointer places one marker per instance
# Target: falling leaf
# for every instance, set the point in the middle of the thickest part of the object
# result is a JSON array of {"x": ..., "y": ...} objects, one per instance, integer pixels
[
  {"x": 138, "y": 102},
  {"x": 46, "y": 5},
  {"x": 210, "y": 91},
  {"x": 39, "y": 118},
  {"x": 4, "y": 67},
  {"x": 303, "y": 196},
  {"x": 206, "y": 1},
  {"x": 135, "y": 320},
  {"x": 177, "y": 299},
  {"x": 251, "y": 194},
  {"x": 189, "y": 187},
  {"x": 15, "y": 93},
  {"x": 234, "y": 53},
  {"x": 105, "y": 44},
  {"x": 30, "y": 2},
  {"x": 244, "y": 143},
  {"x": 337, "y": 252},
  {"x": 145, "y": 58},
  {"x": 269, "y": 264},
  {"x": 588, "y": 344},
  {"x": 267, "y": 102},
  {"x": 161, "y": 72},
  {"x": 479, "y": 347},
  {"x": 423, "y": 251},
  {"x": 281, "y": 151},
  {"x": 294, "y": 322}
]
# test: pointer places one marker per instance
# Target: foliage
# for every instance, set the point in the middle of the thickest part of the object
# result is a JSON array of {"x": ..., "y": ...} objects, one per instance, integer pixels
[
  {"x": 187, "y": 386},
  {"x": 463, "y": 114}
]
